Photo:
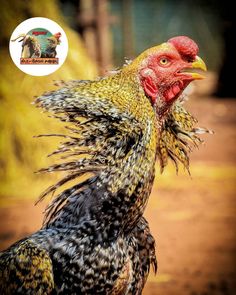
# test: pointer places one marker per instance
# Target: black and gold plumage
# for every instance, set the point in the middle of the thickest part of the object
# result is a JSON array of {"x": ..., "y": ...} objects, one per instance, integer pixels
[{"x": 95, "y": 239}]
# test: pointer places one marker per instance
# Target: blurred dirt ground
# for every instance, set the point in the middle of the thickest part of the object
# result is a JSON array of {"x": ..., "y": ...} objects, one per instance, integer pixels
[{"x": 192, "y": 218}]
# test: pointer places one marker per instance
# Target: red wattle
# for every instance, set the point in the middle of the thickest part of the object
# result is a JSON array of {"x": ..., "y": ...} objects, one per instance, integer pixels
[
  {"x": 150, "y": 88},
  {"x": 169, "y": 95},
  {"x": 176, "y": 89}
]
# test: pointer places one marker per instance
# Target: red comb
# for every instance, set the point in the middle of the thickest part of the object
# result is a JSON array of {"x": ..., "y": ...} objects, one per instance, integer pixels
[{"x": 185, "y": 46}]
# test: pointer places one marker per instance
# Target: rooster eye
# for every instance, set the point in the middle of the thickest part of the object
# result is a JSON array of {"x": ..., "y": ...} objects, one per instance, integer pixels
[{"x": 164, "y": 61}]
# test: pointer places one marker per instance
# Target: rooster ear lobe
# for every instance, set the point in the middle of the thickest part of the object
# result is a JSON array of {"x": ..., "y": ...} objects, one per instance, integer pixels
[{"x": 150, "y": 88}]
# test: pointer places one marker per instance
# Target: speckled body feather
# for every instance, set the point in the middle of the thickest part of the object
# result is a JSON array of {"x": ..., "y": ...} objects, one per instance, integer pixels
[{"x": 95, "y": 239}]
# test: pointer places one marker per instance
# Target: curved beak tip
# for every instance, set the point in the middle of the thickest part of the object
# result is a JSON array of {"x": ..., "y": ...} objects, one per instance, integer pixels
[{"x": 198, "y": 64}]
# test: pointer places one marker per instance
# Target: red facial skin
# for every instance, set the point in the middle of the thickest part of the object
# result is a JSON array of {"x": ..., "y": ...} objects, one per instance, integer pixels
[
  {"x": 161, "y": 76},
  {"x": 57, "y": 35}
]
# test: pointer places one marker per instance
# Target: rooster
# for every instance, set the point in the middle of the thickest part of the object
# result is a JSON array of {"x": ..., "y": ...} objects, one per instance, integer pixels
[
  {"x": 94, "y": 239},
  {"x": 53, "y": 41}
]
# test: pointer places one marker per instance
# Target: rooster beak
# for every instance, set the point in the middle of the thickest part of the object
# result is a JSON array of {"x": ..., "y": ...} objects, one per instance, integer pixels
[{"x": 197, "y": 64}]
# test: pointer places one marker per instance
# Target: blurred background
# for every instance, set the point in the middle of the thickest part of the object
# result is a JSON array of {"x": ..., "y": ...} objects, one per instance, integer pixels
[{"x": 192, "y": 218}]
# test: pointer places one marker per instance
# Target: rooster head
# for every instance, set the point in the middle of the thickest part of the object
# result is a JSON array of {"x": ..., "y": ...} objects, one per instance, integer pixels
[{"x": 167, "y": 69}]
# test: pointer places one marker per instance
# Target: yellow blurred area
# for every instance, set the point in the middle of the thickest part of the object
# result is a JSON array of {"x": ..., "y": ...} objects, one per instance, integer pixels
[{"x": 20, "y": 153}]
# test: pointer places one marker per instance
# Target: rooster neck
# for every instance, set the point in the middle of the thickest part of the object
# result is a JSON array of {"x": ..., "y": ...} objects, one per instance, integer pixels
[
  {"x": 129, "y": 181},
  {"x": 120, "y": 137},
  {"x": 116, "y": 198},
  {"x": 131, "y": 155}
]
